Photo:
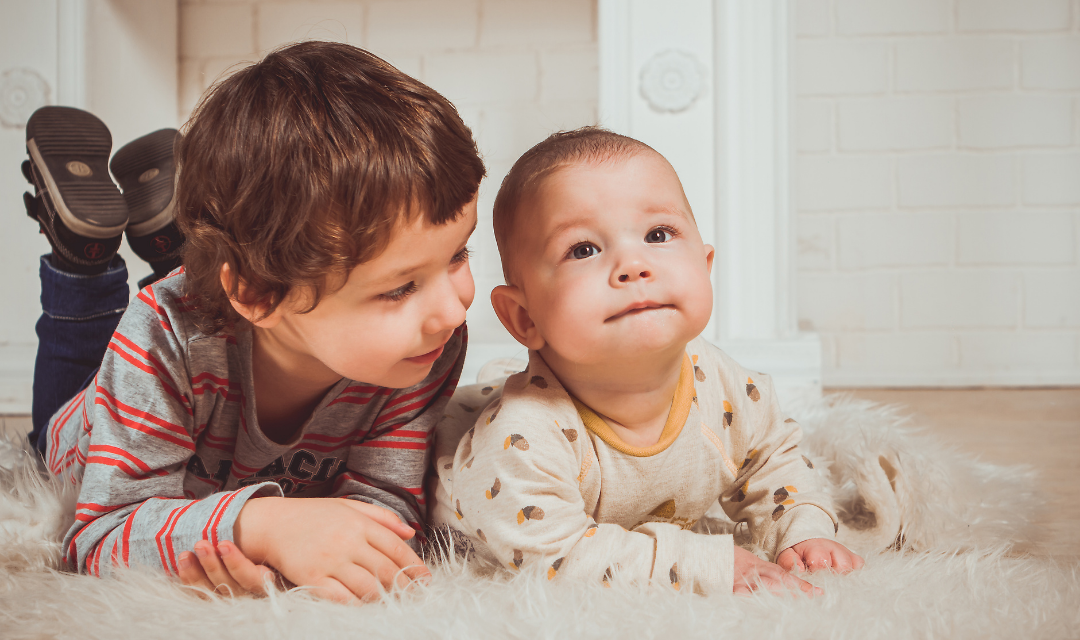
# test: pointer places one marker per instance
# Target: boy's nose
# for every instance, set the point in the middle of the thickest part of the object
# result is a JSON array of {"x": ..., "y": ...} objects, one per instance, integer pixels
[{"x": 449, "y": 313}]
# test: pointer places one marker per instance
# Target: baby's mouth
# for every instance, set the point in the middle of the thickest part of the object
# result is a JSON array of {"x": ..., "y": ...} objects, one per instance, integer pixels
[{"x": 639, "y": 307}]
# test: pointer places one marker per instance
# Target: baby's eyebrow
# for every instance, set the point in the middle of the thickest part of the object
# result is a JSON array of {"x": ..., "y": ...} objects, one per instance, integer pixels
[{"x": 561, "y": 229}]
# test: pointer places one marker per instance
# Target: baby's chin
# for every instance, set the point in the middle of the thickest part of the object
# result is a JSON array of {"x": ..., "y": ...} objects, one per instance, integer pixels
[{"x": 632, "y": 351}]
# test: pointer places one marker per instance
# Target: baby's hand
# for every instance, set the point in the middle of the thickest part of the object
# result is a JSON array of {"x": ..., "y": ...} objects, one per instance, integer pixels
[
  {"x": 226, "y": 570},
  {"x": 819, "y": 553},
  {"x": 751, "y": 571}
]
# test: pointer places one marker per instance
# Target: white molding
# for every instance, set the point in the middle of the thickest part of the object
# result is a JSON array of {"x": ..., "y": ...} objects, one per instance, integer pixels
[
  {"x": 732, "y": 147},
  {"x": 71, "y": 53},
  {"x": 614, "y": 63},
  {"x": 756, "y": 251}
]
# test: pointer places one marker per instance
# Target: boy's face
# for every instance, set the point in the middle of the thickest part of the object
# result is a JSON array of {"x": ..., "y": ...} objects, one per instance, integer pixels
[
  {"x": 389, "y": 322},
  {"x": 610, "y": 261}
]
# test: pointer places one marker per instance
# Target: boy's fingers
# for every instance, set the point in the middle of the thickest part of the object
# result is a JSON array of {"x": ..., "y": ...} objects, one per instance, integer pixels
[
  {"x": 331, "y": 589},
  {"x": 359, "y": 582},
  {"x": 401, "y": 554},
  {"x": 387, "y": 573},
  {"x": 385, "y": 517},
  {"x": 802, "y": 585},
  {"x": 219, "y": 577},
  {"x": 192, "y": 574},
  {"x": 250, "y": 576}
]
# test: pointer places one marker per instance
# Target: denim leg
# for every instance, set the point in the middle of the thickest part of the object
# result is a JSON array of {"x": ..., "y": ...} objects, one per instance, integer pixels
[{"x": 79, "y": 315}]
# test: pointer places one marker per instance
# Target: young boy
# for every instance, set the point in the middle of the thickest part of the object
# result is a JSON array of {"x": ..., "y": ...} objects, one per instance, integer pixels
[
  {"x": 306, "y": 348},
  {"x": 626, "y": 427}
]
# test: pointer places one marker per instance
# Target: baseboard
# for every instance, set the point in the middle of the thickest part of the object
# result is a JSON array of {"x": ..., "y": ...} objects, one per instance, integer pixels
[
  {"x": 955, "y": 379},
  {"x": 16, "y": 377}
]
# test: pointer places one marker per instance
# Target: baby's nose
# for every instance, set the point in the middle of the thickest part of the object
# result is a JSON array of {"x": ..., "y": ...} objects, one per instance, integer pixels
[{"x": 627, "y": 277}]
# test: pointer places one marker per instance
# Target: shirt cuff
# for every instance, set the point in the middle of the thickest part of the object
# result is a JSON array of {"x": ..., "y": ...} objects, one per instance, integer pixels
[
  {"x": 803, "y": 522},
  {"x": 703, "y": 563},
  {"x": 231, "y": 511}
]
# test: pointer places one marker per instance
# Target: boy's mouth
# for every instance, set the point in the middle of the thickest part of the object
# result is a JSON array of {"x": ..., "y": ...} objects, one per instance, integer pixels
[
  {"x": 638, "y": 307},
  {"x": 427, "y": 358}
]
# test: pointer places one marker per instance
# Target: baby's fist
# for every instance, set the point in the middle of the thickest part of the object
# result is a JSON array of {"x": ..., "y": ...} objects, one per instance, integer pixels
[{"x": 817, "y": 554}]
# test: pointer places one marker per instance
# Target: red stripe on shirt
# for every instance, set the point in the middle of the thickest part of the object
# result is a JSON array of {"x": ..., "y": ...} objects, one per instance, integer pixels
[
  {"x": 148, "y": 369},
  {"x": 132, "y": 411},
  {"x": 120, "y": 465},
  {"x": 217, "y": 521},
  {"x": 107, "y": 448},
  {"x": 419, "y": 392},
  {"x": 126, "y": 538},
  {"x": 138, "y": 426},
  {"x": 381, "y": 444},
  {"x": 166, "y": 531}
]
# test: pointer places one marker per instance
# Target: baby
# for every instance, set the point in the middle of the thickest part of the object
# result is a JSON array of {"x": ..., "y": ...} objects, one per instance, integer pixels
[{"x": 598, "y": 460}]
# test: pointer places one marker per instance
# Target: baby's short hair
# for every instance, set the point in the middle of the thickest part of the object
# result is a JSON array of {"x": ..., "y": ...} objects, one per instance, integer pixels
[
  {"x": 587, "y": 145},
  {"x": 302, "y": 165}
]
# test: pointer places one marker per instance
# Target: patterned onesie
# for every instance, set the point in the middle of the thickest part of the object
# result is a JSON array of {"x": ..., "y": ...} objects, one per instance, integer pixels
[{"x": 541, "y": 480}]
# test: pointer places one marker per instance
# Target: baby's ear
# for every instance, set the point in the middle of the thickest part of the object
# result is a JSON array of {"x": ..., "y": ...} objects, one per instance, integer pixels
[
  {"x": 510, "y": 305},
  {"x": 254, "y": 311}
]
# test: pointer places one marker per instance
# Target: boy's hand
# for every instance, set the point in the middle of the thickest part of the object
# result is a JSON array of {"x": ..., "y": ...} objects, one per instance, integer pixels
[
  {"x": 751, "y": 571},
  {"x": 346, "y": 549},
  {"x": 226, "y": 571},
  {"x": 819, "y": 553}
]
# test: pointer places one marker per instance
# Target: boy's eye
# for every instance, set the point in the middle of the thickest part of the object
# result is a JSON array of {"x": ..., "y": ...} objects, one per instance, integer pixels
[
  {"x": 583, "y": 250},
  {"x": 659, "y": 234},
  {"x": 400, "y": 293},
  {"x": 461, "y": 256}
]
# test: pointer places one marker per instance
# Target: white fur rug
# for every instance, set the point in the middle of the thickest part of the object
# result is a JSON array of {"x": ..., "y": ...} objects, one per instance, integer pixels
[{"x": 953, "y": 578}]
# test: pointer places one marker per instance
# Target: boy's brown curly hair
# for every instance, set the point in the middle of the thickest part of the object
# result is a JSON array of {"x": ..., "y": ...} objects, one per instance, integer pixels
[{"x": 301, "y": 166}]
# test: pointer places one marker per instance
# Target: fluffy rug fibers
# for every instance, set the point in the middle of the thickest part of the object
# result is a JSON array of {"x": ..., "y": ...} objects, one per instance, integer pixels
[{"x": 936, "y": 529}]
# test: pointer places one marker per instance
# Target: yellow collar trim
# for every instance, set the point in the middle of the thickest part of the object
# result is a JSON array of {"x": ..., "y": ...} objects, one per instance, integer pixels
[{"x": 680, "y": 409}]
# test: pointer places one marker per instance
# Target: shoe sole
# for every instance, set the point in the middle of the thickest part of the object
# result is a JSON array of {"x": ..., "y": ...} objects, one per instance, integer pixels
[
  {"x": 147, "y": 174},
  {"x": 70, "y": 152}
]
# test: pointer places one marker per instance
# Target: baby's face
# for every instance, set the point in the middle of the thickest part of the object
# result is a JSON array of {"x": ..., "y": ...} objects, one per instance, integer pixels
[{"x": 611, "y": 263}]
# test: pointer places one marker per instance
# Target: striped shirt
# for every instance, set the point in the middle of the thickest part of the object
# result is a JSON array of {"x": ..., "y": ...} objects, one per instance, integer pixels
[{"x": 166, "y": 442}]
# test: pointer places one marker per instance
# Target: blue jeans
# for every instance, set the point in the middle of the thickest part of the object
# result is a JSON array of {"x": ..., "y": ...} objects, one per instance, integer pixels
[{"x": 78, "y": 317}]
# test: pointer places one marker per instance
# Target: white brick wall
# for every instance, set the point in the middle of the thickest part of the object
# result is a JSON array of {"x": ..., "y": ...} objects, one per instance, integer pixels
[
  {"x": 955, "y": 259},
  {"x": 938, "y": 171}
]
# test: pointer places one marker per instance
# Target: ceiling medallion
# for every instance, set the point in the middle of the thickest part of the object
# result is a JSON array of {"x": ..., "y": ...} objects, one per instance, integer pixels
[
  {"x": 22, "y": 92},
  {"x": 671, "y": 81}
]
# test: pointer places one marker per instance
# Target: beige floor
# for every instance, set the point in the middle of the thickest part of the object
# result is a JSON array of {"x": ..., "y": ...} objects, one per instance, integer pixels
[{"x": 1040, "y": 427}]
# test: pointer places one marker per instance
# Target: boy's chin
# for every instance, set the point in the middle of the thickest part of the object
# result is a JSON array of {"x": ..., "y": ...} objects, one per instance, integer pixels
[{"x": 402, "y": 376}]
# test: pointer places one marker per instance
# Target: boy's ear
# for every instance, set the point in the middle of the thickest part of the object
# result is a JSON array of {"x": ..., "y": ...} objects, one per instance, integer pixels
[
  {"x": 509, "y": 304},
  {"x": 253, "y": 312}
]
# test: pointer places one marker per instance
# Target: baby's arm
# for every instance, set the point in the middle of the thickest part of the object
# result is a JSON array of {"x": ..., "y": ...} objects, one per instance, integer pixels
[{"x": 778, "y": 492}]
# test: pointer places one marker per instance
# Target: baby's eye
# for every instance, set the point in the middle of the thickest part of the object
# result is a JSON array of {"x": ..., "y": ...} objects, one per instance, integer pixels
[
  {"x": 660, "y": 234},
  {"x": 583, "y": 250},
  {"x": 400, "y": 293}
]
